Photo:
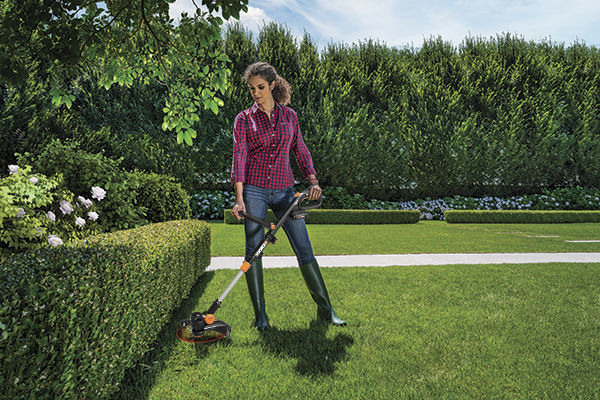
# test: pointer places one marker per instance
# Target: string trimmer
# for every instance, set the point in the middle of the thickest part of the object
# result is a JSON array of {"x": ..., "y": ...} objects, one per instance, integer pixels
[{"x": 202, "y": 327}]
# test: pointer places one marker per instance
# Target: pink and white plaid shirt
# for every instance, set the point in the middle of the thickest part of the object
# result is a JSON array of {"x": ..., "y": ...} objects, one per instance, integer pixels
[{"x": 261, "y": 148}]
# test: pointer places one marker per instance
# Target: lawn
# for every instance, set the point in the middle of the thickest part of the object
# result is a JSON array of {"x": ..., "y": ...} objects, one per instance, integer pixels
[
  {"x": 423, "y": 332},
  {"x": 427, "y": 332},
  {"x": 423, "y": 237}
]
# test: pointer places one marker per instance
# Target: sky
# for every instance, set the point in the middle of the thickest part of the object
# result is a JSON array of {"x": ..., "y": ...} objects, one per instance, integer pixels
[{"x": 402, "y": 23}]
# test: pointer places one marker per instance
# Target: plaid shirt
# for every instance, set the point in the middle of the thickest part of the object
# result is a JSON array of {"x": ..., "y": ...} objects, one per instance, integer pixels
[{"x": 261, "y": 148}]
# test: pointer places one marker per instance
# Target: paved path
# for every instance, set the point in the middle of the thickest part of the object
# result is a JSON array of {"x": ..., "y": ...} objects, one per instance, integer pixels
[{"x": 384, "y": 260}]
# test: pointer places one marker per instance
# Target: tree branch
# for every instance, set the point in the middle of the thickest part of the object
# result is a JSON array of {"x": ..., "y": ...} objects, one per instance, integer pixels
[
  {"x": 104, "y": 27},
  {"x": 158, "y": 41}
]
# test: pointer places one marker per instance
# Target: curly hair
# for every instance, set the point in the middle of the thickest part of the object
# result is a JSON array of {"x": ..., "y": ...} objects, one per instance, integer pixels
[{"x": 282, "y": 92}]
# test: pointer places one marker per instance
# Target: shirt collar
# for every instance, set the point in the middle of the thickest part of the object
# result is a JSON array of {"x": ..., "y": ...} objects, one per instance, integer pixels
[{"x": 255, "y": 107}]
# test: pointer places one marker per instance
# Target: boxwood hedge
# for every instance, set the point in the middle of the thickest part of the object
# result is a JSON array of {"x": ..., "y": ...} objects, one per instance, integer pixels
[
  {"x": 521, "y": 216},
  {"x": 357, "y": 217},
  {"x": 74, "y": 318}
]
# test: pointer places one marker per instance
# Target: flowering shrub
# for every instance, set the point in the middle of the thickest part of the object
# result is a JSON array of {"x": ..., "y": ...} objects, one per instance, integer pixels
[
  {"x": 35, "y": 210},
  {"x": 210, "y": 204},
  {"x": 82, "y": 170}
]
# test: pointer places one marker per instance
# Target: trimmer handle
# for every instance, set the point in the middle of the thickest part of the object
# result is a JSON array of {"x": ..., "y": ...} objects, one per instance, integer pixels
[
  {"x": 304, "y": 195},
  {"x": 252, "y": 218}
]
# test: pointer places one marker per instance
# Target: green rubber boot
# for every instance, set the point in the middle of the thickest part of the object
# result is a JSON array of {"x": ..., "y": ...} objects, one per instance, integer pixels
[
  {"x": 318, "y": 291},
  {"x": 256, "y": 289}
]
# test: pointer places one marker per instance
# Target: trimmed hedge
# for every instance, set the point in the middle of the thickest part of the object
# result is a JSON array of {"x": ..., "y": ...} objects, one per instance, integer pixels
[
  {"x": 351, "y": 217},
  {"x": 520, "y": 216},
  {"x": 74, "y": 318}
]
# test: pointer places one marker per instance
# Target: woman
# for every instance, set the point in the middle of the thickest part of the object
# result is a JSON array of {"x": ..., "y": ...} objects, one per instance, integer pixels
[{"x": 261, "y": 173}]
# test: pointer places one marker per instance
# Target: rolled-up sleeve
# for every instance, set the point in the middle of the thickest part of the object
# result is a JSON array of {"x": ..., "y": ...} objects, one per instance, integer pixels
[
  {"x": 300, "y": 151},
  {"x": 240, "y": 149}
]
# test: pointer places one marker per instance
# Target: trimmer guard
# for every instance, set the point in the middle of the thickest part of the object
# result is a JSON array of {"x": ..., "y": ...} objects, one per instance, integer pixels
[{"x": 200, "y": 331}]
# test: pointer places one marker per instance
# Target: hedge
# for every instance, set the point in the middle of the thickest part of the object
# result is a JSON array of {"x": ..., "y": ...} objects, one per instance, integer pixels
[
  {"x": 521, "y": 216},
  {"x": 353, "y": 217},
  {"x": 74, "y": 318}
]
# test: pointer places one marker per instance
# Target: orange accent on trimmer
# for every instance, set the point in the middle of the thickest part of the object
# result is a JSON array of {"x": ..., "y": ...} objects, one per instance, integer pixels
[
  {"x": 297, "y": 194},
  {"x": 209, "y": 319},
  {"x": 245, "y": 266}
]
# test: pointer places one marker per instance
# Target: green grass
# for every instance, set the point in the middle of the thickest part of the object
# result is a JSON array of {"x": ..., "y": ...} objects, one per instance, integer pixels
[
  {"x": 442, "y": 332},
  {"x": 423, "y": 237}
]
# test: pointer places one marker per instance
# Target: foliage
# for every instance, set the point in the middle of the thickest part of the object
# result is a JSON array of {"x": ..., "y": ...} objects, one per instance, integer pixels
[
  {"x": 75, "y": 317},
  {"x": 498, "y": 116},
  {"x": 520, "y": 216},
  {"x": 30, "y": 212},
  {"x": 338, "y": 197},
  {"x": 123, "y": 41},
  {"x": 82, "y": 170},
  {"x": 161, "y": 196}
]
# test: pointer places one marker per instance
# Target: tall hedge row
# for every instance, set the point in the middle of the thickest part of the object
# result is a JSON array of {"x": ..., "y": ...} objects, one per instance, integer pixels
[{"x": 496, "y": 116}]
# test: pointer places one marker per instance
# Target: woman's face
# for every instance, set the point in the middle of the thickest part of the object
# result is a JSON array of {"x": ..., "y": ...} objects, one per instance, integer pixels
[{"x": 260, "y": 90}]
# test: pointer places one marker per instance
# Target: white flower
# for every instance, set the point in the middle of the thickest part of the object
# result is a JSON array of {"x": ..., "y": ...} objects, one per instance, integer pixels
[
  {"x": 84, "y": 202},
  {"x": 13, "y": 169},
  {"x": 51, "y": 216},
  {"x": 93, "y": 215},
  {"x": 80, "y": 221},
  {"x": 21, "y": 213},
  {"x": 54, "y": 240},
  {"x": 66, "y": 207},
  {"x": 33, "y": 180},
  {"x": 98, "y": 192}
]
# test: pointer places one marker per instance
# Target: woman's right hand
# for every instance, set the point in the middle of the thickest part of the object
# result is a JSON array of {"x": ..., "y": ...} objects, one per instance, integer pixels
[{"x": 238, "y": 207}]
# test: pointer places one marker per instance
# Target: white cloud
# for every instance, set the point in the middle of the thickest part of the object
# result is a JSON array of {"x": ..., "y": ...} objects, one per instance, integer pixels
[
  {"x": 254, "y": 19},
  {"x": 404, "y": 22},
  {"x": 180, "y": 6}
]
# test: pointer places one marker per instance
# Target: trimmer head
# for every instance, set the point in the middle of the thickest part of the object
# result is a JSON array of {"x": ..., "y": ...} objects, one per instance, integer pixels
[{"x": 197, "y": 330}]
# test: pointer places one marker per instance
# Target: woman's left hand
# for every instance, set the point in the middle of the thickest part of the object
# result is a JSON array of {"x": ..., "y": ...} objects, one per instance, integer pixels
[
  {"x": 315, "y": 192},
  {"x": 315, "y": 189}
]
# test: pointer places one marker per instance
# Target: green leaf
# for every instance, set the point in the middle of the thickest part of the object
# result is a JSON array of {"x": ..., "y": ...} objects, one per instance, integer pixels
[{"x": 214, "y": 108}]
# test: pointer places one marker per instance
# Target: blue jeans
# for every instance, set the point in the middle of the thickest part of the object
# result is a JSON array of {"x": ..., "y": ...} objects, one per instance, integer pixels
[{"x": 257, "y": 201}]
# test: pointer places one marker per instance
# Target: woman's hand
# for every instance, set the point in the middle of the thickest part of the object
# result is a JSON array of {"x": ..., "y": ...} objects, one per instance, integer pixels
[
  {"x": 238, "y": 207},
  {"x": 315, "y": 189}
]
